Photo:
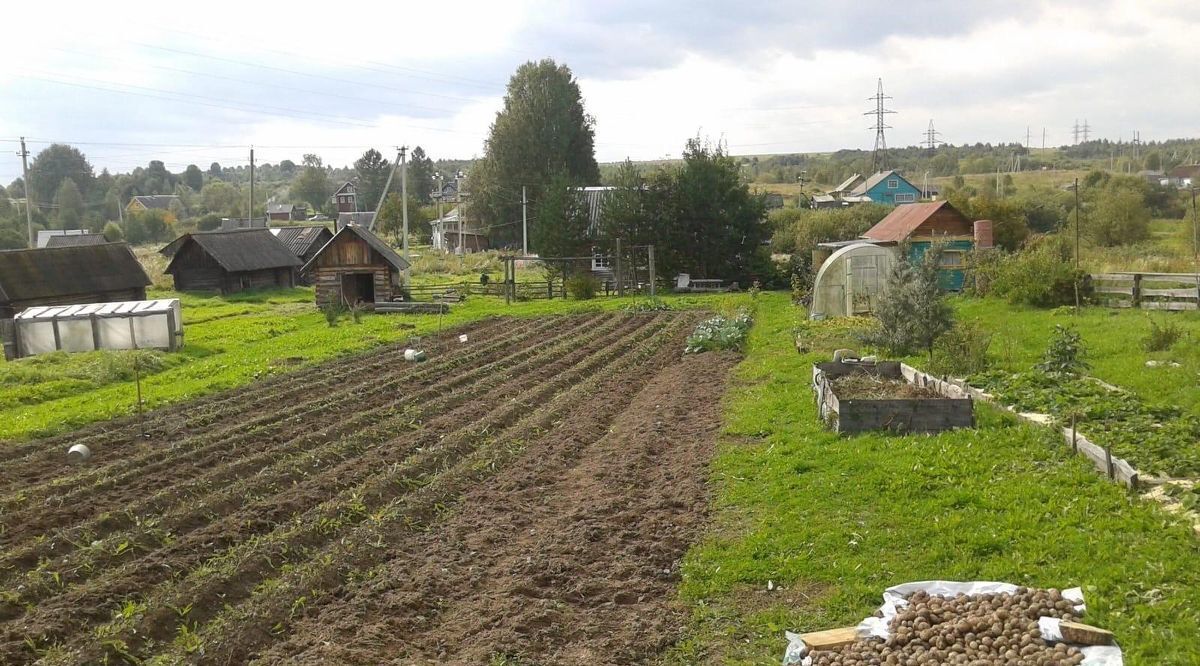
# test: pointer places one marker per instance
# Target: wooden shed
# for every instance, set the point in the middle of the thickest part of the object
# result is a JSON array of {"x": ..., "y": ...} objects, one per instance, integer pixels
[
  {"x": 230, "y": 261},
  {"x": 69, "y": 275},
  {"x": 304, "y": 242},
  {"x": 356, "y": 266}
]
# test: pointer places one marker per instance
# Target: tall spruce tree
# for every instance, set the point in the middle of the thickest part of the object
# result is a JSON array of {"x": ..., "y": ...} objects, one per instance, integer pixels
[
  {"x": 542, "y": 133},
  {"x": 372, "y": 170}
]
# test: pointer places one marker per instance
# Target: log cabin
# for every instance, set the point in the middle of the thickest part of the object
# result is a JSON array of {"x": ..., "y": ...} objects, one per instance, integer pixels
[
  {"x": 230, "y": 261},
  {"x": 355, "y": 268},
  {"x": 69, "y": 275}
]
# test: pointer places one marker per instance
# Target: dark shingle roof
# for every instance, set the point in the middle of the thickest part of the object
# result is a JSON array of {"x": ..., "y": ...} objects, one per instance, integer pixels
[
  {"x": 160, "y": 201},
  {"x": 237, "y": 250},
  {"x": 389, "y": 255},
  {"x": 63, "y": 271},
  {"x": 300, "y": 239},
  {"x": 75, "y": 240},
  {"x": 283, "y": 208}
]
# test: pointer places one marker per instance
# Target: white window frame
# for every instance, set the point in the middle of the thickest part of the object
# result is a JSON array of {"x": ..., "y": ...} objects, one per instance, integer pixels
[
  {"x": 893, "y": 183},
  {"x": 959, "y": 257},
  {"x": 905, "y": 197}
]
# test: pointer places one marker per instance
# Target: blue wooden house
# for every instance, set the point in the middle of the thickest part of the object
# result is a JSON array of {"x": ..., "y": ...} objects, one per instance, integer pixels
[
  {"x": 887, "y": 187},
  {"x": 918, "y": 226}
]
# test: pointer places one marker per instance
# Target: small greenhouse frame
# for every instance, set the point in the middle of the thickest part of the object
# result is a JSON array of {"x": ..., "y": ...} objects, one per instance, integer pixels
[
  {"x": 851, "y": 280},
  {"x": 156, "y": 324}
]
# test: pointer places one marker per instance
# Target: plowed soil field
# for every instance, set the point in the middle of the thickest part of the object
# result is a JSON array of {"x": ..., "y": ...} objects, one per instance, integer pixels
[{"x": 523, "y": 498}]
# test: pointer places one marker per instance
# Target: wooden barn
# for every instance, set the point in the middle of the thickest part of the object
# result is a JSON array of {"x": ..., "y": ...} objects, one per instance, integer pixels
[
  {"x": 229, "y": 261},
  {"x": 355, "y": 267},
  {"x": 68, "y": 276},
  {"x": 919, "y": 225},
  {"x": 303, "y": 241}
]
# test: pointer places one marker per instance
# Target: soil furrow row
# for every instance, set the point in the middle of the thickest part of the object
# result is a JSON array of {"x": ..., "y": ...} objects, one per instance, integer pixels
[
  {"x": 142, "y": 525},
  {"x": 348, "y": 500}
]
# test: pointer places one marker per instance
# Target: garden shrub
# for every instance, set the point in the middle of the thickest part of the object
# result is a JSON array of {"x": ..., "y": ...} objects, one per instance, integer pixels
[
  {"x": 333, "y": 312},
  {"x": 1162, "y": 338},
  {"x": 1066, "y": 355},
  {"x": 912, "y": 312},
  {"x": 962, "y": 351},
  {"x": 582, "y": 287},
  {"x": 1041, "y": 275},
  {"x": 719, "y": 333}
]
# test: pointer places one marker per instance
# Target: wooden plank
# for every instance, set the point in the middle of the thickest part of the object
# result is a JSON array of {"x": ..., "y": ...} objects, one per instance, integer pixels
[
  {"x": 830, "y": 639},
  {"x": 1177, "y": 306},
  {"x": 1124, "y": 291},
  {"x": 1123, "y": 472},
  {"x": 1170, "y": 293},
  {"x": 1084, "y": 634}
]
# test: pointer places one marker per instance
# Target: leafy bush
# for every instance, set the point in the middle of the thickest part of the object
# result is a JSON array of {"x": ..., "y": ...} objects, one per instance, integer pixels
[
  {"x": 798, "y": 231},
  {"x": 1041, "y": 275},
  {"x": 647, "y": 305},
  {"x": 962, "y": 351},
  {"x": 112, "y": 232},
  {"x": 1162, "y": 338},
  {"x": 719, "y": 333},
  {"x": 582, "y": 286},
  {"x": 912, "y": 312},
  {"x": 1065, "y": 357},
  {"x": 333, "y": 312}
]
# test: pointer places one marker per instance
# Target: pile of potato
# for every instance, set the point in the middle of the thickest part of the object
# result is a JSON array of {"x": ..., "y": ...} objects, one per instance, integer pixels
[{"x": 977, "y": 630}]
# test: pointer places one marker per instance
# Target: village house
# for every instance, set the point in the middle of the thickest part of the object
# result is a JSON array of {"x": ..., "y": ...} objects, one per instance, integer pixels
[
  {"x": 918, "y": 226},
  {"x": 445, "y": 231},
  {"x": 346, "y": 198},
  {"x": 44, "y": 235},
  {"x": 68, "y": 276},
  {"x": 230, "y": 261},
  {"x": 142, "y": 203},
  {"x": 283, "y": 212},
  {"x": 1184, "y": 176},
  {"x": 75, "y": 240},
  {"x": 886, "y": 187},
  {"x": 355, "y": 268}
]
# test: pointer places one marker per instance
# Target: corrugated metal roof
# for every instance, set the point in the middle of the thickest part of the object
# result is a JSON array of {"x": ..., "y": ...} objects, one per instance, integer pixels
[
  {"x": 76, "y": 240},
  {"x": 876, "y": 179},
  {"x": 238, "y": 250},
  {"x": 848, "y": 183},
  {"x": 904, "y": 220},
  {"x": 63, "y": 271},
  {"x": 301, "y": 239}
]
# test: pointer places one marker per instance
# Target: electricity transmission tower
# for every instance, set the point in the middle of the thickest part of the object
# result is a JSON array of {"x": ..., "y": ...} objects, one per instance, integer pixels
[
  {"x": 879, "y": 156},
  {"x": 931, "y": 137},
  {"x": 1075, "y": 131},
  {"x": 1086, "y": 130}
]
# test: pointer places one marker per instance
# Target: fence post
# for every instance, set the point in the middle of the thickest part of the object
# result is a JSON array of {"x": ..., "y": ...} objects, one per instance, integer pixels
[
  {"x": 653, "y": 286},
  {"x": 1137, "y": 290},
  {"x": 507, "y": 295},
  {"x": 620, "y": 281},
  {"x": 1108, "y": 458},
  {"x": 1074, "y": 435}
]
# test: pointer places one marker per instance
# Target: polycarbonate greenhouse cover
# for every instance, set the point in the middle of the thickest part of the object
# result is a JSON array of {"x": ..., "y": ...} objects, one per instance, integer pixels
[{"x": 90, "y": 326}]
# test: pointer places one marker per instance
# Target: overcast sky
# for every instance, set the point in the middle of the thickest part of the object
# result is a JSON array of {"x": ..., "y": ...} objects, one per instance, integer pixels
[{"x": 200, "y": 82}]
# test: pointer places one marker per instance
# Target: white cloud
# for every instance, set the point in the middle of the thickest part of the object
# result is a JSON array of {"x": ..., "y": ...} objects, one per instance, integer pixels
[{"x": 336, "y": 80}]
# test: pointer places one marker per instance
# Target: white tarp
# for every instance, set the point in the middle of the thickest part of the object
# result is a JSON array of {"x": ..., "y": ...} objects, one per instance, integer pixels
[{"x": 896, "y": 597}]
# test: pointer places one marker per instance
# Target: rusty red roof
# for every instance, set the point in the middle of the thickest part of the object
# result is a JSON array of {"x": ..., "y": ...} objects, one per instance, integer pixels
[{"x": 904, "y": 220}]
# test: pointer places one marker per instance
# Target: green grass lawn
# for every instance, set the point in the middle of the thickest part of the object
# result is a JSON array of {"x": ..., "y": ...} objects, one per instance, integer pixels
[
  {"x": 231, "y": 341},
  {"x": 1113, "y": 338},
  {"x": 832, "y": 520}
]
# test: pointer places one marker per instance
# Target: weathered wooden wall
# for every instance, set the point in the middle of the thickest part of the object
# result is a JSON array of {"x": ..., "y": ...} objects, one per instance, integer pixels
[{"x": 350, "y": 255}]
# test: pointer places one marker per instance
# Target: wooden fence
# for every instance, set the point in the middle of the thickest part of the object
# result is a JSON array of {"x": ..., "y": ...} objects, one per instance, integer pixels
[{"x": 1149, "y": 291}]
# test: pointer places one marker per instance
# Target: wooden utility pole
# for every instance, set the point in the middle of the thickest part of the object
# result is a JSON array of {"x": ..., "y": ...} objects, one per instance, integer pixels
[
  {"x": 250, "y": 210},
  {"x": 404, "y": 198},
  {"x": 386, "y": 186},
  {"x": 1079, "y": 221},
  {"x": 524, "y": 223},
  {"x": 28, "y": 194},
  {"x": 1196, "y": 246}
]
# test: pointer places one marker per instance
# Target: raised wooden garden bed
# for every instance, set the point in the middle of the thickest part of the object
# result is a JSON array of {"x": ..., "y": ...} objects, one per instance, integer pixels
[{"x": 889, "y": 396}]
